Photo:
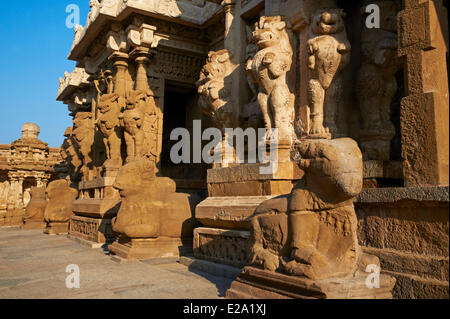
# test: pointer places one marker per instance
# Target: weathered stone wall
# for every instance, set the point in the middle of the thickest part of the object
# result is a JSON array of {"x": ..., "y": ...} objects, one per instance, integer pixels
[{"x": 408, "y": 229}]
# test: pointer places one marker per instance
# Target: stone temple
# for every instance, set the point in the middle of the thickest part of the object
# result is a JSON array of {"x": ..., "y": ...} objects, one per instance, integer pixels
[{"x": 356, "y": 93}]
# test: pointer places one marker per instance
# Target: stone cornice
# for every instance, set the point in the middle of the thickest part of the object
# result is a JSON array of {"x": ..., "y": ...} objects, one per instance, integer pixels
[{"x": 178, "y": 11}]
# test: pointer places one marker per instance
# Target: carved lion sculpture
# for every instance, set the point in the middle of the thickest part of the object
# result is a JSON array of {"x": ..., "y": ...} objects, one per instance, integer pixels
[
  {"x": 60, "y": 197},
  {"x": 214, "y": 88},
  {"x": 83, "y": 135},
  {"x": 329, "y": 54},
  {"x": 109, "y": 106},
  {"x": 150, "y": 207},
  {"x": 270, "y": 66},
  {"x": 36, "y": 207},
  {"x": 132, "y": 122},
  {"x": 312, "y": 231}
]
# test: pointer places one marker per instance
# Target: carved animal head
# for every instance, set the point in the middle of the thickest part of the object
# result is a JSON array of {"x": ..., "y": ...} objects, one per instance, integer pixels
[
  {"x": 328, "y": 21},
  {"x": 135, "y": 176},
  {"x": 135, "y": 99},
  {"x": 57, "y": 189},
  {"x": 107, "y": 102},
  {"x": 216, "y": 65},
  {"x": 270, "y": 31},
  {"x": 82, "y": 119},
  {"x": 334, "y": 167},
  {"x": 132, "y": 120},
  {"x": 37, "y": 193},
  {"x": 213, "y": 86}
]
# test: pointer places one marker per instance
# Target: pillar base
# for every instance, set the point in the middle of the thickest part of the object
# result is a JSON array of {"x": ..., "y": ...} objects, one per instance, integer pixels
[
  {"x": 96, "y": 230},
  {"x": 33, "y": 224},
  {"x": 254, "y": 283},
  {"x": 148, "y": 248},
  {"x": 56, "y": 228}
]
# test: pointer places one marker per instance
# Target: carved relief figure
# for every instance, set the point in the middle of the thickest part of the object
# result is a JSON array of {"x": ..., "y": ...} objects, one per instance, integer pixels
[
  {"x": 270, "y": 66},
  {"x": 70, "y": 155},
  {"x": 377, "y": 84},
  {"x": 109, "y": 106},
  {"x": 83, "y": 135},
  {"x": 312, "y": 231},
  {"x": 214, "y": 88},
  {"x": 251, "y": 114},
  {"x": 329, "y": 53},
  {"x": 150, "y": 206},
  {"x": 133, "y": 119}
]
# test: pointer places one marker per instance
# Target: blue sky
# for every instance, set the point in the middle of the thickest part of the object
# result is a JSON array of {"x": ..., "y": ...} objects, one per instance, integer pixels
[{"x": 35, "y": 45}]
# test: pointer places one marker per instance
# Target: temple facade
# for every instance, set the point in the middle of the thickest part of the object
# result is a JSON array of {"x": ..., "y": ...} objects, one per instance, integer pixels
[
  {"x": 358, "y": 95},
  {"x": 24, "y": 164}
]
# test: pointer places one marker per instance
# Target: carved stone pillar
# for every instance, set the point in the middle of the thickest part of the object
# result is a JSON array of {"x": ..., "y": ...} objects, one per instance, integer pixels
[
  {"x": 424, "y": 113},
  {"x": 120, "y": 61}
]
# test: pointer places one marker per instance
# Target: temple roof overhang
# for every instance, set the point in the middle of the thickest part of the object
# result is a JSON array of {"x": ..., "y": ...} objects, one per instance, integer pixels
[{"x": 184, "y": 12}]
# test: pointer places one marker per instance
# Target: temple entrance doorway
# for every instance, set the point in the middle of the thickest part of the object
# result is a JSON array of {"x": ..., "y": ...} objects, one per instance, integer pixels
[{"x": 180, "y": 110}]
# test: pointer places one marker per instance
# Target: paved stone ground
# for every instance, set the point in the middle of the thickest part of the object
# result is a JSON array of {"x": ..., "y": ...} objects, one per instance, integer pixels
[{"x": 33, "y": 266}]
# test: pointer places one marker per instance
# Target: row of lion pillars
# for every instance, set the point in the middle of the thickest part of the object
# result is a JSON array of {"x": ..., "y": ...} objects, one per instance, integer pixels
[{"x": 423, "y": 42}]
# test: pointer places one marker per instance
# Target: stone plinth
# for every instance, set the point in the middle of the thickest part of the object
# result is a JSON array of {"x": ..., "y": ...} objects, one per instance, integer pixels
[
  {"x": 248, "y": 180},
  {"x": 56, "y": 228},
  {"x": 254, "y": 283},
  {"x": 228, "y": 212},
  {"x": 148, "y": 248},
  {"x": 230, "y": 247},
  {"x": 95, "y": 210},
  {"x": 98, "y": 230},
  {"x": 33, "y": 224}
]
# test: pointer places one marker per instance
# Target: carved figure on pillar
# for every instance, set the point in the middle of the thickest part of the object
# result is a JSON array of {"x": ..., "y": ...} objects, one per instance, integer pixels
[
  {"x": 329, "y": 53},
  {"x": 83, "y": 134},
  {"x": 70, "y": 155},
  {"x": 132, "y": 120},
  {"x": 376, "y": 84},
  {"x": 109, "y": 107},
  {"x": 214, "y": 88},
  {"x": 270, "y": 66}
]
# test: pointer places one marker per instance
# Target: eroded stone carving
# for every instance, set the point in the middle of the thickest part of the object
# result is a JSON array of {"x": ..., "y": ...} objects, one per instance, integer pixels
[
  {"x": 329, "y": 53},
  {"x": 109, "y": 106},
  {"x": 140, "y": 124},
  {"x": 60, "y": 197},
  {"x": 150, "y": 206},
  {"x": 376, "y": 84},
  {"x": 214, "y": 87},
  {"x": 312, "y": 231},
  {"x": 83, "y": 136},
  {"x": 270, "y": 66},
  {"x": 35, "y": 209}
]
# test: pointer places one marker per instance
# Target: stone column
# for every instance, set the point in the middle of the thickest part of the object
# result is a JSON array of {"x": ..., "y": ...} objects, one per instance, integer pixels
[
  {"x": 120, "y": 61},
  {"x": 423, "y": 41}
]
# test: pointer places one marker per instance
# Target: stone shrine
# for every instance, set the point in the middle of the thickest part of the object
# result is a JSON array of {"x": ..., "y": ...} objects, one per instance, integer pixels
[{"x": 26, "y": 164}]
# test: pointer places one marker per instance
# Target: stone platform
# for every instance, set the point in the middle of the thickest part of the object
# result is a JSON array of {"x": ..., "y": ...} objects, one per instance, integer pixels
[
  {"x": 253, "y": 283},
  {"x": 162, "y": 247},
  {"x": 56, "y": 228},
  {"x": 33, "y": 225},
  {"x": 33, "y": 266}
]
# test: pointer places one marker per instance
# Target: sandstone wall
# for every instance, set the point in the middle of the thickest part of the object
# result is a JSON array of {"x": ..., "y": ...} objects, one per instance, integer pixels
[{"x": 408, "y": 229}]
